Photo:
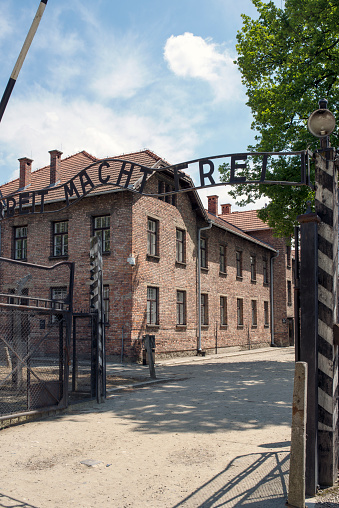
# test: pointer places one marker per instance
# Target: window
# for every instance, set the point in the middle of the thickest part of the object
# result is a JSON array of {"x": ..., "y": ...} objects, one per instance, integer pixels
[
  {"x": 222, "y": 258},
  {"x": 204, "y": 309},
  {"x": 58, "y": 296},
  {"x": 152, "y": 237},
  {"x": 20, "y": 243},
  {"x": 161, "y": 190},
  {"x": 238, "y": 255},
  {"x": 266, "y": 315},
  {"x": 240, "y": 312},
  {"x": 18, "y": 300},
  {"x": 106, "y": 303},
  {"x": 253, "y": 268},
  {"x": 288, "y": 256},
  {"x": 265, "y": 271},
  {"x": 223, "y": 311},
  {"x": 203, "y": 252},
  {"x": 180, "y": 243},
  {"x": 102, "y": 230},
  {"x": 289, "y": 292},
  {"x": 60, "y": 238},
  {"x": 181, "y": 307},
  {"x": 254, "y": 312},
  {"x": 165, "y": 187},
  {"x": 152, "y": 306}
]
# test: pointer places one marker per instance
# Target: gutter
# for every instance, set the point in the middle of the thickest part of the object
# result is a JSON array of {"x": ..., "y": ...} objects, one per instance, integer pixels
[
  {"x": 271, "y": 299},
  {"x": 199, "y": 283}
]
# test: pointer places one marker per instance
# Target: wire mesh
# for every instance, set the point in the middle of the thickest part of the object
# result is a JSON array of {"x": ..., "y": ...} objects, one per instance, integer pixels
[
  {"x": 81, "y": 356},
  {"x": 31, "y": 359}
]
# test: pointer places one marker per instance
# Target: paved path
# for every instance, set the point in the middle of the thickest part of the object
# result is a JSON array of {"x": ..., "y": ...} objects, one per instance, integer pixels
[{"x": 215, "y": 434}]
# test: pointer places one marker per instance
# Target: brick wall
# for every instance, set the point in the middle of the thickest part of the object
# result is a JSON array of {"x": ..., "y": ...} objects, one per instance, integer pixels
[{"x": 128, "y": 284}]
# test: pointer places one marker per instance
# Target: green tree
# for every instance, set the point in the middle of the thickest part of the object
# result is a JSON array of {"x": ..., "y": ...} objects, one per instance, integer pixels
[{"x": 289, "y": 59}]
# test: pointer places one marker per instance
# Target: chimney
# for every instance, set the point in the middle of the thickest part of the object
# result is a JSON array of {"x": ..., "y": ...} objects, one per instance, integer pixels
[
  {"x": 55, "y": 166},
  {"x": 213, "y": 204},
  {"x": 226, "y": 209},
  {"x": 25, "y": 172}
]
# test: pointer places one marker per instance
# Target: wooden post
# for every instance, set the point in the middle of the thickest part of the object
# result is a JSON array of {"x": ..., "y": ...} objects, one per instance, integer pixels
[
  {"x": 149, "y": 342},
  {"x": 296, "y": 491}
]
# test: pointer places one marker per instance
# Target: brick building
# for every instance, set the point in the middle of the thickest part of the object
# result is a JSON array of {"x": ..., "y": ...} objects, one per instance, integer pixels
[{"x": 153, "y": 271}]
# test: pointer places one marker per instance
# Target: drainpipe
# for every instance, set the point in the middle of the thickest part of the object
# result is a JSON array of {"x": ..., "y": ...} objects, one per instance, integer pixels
[
  {"x": 199, "y": 282},
  {"x": 272, "y": 308}
]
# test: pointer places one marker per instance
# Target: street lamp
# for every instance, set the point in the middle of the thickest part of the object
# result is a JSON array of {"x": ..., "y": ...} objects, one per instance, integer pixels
[{"x": 321, "y": 123}]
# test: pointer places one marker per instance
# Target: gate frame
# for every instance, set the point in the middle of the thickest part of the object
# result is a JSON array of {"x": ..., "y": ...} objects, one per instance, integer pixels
[{"x": 67, "y": 316}]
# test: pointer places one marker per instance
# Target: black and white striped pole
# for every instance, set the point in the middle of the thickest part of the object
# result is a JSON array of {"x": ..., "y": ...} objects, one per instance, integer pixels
[
  {"x": 322, "y": 401},
  {"x": 21, "y": 57}
]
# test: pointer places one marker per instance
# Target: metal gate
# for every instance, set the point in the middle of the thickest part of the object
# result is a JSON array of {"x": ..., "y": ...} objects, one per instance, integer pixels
[{"x": 35, "y": 330}]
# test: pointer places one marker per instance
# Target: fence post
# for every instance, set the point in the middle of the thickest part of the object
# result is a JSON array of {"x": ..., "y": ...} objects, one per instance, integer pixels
[{"x": 296, "y": 490}]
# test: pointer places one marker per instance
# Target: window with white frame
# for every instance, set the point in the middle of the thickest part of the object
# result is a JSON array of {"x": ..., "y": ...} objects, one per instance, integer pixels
[
  {"x": 181, "y": 307},
  {"x": 180, "y": 246},
  {"x": 152, "y": 305},
  {"x": 60, "y": 238},
  {"x": 204, "y": 309},
  {"x": 20, "y": 243},
  {"x": 223, "y": 311},
  {"x": 101, "y": 228},
  {"x": 240, "y": 311},
  {"x": 152, "y": 237},
  {"x": 254, "y": 312}
]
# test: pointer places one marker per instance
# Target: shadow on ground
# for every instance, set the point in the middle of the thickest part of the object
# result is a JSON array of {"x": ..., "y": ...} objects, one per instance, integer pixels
[
  {"x": 11, "y": 502},
  {"x": 210, "y": 397},
  {"x": 248, "y": 480}
]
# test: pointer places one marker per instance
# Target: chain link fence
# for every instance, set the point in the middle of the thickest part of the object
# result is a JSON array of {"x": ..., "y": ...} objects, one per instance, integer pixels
[{"x": 35, "y": 323}]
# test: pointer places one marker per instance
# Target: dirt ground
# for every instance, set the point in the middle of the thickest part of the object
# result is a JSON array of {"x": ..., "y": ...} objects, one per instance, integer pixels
[{"x": 216, "y": 433}]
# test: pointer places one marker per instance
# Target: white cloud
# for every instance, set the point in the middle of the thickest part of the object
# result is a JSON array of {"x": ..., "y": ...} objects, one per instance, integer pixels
[
  {"x": 46, "y": 121},
  {"x": 191, "y": 56}
]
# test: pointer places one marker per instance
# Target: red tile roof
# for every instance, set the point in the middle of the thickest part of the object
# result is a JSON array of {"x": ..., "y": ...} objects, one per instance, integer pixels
[
  {"x": 247, "y": 220},
  {"x": 71, "y": 166},
  {"x": 225, "y": 224}
]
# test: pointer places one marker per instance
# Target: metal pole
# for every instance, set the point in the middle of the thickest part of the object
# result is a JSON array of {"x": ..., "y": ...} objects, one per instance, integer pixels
[
  {"x": 309, "y": 339},
  {"x": 297, "y": 296},
  {"x": 21, "y": 57}
]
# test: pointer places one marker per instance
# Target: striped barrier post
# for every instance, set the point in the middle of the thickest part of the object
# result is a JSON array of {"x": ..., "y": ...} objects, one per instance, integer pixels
[{"x": 327, "y": 209}]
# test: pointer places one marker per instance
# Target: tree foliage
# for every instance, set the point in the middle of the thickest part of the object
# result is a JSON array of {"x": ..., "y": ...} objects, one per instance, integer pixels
[{"x": 289, "y": 59}]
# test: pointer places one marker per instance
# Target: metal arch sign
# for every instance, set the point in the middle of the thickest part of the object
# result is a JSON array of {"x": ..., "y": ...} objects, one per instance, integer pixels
[{"x": 97, "y": 174}]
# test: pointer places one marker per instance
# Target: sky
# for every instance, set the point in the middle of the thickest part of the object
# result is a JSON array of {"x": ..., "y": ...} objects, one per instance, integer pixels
[{"x": 117, "y": 77}]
